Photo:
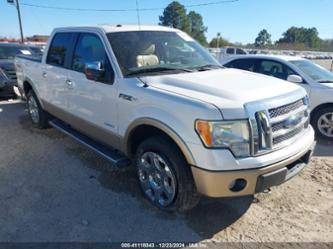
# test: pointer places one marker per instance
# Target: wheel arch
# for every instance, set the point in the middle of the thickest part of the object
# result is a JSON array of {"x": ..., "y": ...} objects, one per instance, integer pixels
[
  {"x": 145, "y": 127},
  {"x": 27, "y": 86},
  {"x": 319, "y": 107}
]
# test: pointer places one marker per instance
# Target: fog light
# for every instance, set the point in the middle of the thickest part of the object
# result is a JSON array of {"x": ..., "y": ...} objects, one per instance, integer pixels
[{"x": 237, "y": 185}]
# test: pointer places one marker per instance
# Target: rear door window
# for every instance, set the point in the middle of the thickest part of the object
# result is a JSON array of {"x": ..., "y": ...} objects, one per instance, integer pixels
[
  {"x": 244, "y": 64},
  {"x": 240, "y": 51},
  {"x": 59, "y": 49}
]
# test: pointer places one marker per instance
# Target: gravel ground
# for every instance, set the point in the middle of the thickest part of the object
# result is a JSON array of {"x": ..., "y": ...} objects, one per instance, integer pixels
[{"x": 53, "y": 189}]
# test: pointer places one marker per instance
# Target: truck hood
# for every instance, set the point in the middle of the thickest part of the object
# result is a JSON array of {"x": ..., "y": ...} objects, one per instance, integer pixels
[
  {"x": 227, "y": 89},
  {"x": 7, "y": 65}
]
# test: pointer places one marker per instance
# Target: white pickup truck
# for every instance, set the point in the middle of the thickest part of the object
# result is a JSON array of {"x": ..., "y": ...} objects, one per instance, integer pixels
[{"x": 152, "y": 97}]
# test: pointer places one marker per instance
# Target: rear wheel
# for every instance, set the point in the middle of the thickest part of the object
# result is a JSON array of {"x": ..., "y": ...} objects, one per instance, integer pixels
[
  {"x": 164, "y": 176},
  {"x": 322, "y": 121},
  {"x": 38, "y": 116}
]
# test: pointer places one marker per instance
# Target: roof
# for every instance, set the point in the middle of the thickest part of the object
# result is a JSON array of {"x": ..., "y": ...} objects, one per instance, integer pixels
[
  {"x": 270, "y": 56},
  {"x": 109, "y": 28}
]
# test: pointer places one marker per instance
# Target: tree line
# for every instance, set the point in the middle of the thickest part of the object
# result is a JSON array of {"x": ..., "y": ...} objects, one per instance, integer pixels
[{"x": 296, "y": 38}]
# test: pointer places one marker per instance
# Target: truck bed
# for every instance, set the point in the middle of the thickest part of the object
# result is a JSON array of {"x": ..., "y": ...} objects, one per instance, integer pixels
[{"x": 30, "y": 57}]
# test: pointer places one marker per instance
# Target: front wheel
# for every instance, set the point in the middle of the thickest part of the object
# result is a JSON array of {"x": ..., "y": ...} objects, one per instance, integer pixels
[
  {"x": 322, "y": 121},
  {"x": 164, "y": 175}
]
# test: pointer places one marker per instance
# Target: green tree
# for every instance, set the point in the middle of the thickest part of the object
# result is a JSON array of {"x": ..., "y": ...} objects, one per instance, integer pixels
[
  {"x": 197, "y": 27},
  {"x": 263, "y": 39},
  {"x": 307, "y": 36},
  {"x": 174, "y": 15},
  {"x": 222, "y": 43}
]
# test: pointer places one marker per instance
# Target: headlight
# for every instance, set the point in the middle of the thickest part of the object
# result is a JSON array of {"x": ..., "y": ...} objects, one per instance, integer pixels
[{"x": 233, "y": 135}]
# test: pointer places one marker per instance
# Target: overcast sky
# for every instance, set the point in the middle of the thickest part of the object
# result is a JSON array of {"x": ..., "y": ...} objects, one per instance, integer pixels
[{"x": 237, "y": 21}]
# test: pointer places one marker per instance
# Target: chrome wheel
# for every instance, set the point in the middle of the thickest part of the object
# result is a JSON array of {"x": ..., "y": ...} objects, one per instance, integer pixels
[
  {"x": 325, "y": 124},
  {"x": 156, "y": 178},
  {"x": 33, "y": 109}
]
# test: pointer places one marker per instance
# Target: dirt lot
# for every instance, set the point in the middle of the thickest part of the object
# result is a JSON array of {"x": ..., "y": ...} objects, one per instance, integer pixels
[{"x": 53, "y": 189}]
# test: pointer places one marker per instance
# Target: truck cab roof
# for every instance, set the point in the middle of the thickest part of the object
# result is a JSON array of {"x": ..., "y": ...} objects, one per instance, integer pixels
[{"x": 111, "y": 28}]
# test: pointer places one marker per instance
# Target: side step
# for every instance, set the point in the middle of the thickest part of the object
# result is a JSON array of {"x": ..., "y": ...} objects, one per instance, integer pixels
[{"x": 107, "y": 152}]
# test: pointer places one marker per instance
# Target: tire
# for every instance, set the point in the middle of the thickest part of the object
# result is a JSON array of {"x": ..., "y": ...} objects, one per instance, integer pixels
[
  {"x": 160, "y": 165},
  {"x": 322, "y": 122},
  {"x": 38, "y": 116}
]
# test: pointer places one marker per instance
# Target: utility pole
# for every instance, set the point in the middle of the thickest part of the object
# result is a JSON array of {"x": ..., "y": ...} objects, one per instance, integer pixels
[
  {"x": 17, "y": 4},
  {"x": 218, "y": 40}
]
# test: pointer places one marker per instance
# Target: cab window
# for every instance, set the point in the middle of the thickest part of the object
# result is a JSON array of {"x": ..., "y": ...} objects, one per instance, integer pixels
[
  {"x": 240, "y": 51},
  {"x": 90, "y": 49},
  {"x": 230, "y": 51}
]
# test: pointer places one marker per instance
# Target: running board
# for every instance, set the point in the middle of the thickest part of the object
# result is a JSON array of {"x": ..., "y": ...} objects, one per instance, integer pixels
[{"x": 107, "y": 152}]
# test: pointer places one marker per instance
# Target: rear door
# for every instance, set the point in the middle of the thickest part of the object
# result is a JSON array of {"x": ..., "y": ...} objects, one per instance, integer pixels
[
  {"x": 53, "y": 84},
  {"x": 92, "y": 103}
]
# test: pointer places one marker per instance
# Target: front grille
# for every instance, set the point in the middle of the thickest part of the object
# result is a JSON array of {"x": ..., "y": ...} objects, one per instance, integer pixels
[
  {"x": 278, "y": 126},
  {"x": 287, "y": 136},
  {"x": 11, "y": 74},
  {"x": 282, "y": 110}
]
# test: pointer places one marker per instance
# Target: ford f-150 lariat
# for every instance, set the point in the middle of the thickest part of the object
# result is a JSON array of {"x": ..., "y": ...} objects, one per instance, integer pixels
[{"x": 152, "y": 97}]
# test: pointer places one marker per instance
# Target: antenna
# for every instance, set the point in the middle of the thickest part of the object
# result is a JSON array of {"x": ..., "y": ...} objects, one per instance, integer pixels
[{"x": 138, "y": 12}]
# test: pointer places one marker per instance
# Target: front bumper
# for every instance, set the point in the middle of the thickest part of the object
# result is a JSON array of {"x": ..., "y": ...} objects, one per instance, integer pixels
[
  {"x": 7, "y": 89},
  {"x": 250, "y": 181}
]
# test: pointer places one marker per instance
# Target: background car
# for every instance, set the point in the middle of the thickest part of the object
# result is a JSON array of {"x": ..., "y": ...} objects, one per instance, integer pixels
[
  {"x": 8, "y": 79},
  {"x": 317, "y": 81}
]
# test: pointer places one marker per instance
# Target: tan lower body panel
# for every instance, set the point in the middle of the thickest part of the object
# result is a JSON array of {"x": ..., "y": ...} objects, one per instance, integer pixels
[
  {"x": 87, "y": 128},
  {"x": 216, "y": 184}
]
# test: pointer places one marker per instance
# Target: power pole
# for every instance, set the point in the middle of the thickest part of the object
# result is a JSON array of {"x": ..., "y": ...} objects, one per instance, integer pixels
[
  {"x": 19, "y": 16},
  {"x": 218, "y": 40},
  {"x": 20, "y": 21}
]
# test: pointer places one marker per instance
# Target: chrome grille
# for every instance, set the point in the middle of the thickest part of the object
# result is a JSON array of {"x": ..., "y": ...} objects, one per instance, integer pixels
[
  {"x": 11, "y": 74},
  {"x": 282, "y": 110},
  {"x": 275, "y": 126},
  {"x": 291, "y": 134}
]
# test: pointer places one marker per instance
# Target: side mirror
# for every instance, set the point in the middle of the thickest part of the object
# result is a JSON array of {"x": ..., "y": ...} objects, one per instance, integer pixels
[
  {"x": 94, "y": 71},
  {"x": 295, "y": 78}
]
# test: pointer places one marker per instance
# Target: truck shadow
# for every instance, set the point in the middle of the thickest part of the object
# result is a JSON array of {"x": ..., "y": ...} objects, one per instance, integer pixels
[
  {"x": 323, "y": 148},
  {"x": 208, "y": 218}
]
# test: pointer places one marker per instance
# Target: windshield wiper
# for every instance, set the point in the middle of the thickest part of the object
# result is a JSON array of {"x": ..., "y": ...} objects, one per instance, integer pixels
[
  {"x": 157, "y": 70},
  {"x": 325, "y": 81},
  {"x": 207, "y": 67}
]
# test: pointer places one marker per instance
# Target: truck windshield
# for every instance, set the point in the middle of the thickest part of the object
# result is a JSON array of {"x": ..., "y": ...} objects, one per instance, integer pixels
[
  {"x": 9, "y": 52},
  {"x": 159, "y": 52},
  {"x": 316, "y": 72}
]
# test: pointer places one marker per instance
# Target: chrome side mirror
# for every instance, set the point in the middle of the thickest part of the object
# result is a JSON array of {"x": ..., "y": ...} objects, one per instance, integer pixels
[{"x": 94, "y": 71}]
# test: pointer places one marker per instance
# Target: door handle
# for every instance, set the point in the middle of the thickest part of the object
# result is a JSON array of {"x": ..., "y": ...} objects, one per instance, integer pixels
[
  {"x": 69, "y": 83},
  {"x": 44, "y": 74}
]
